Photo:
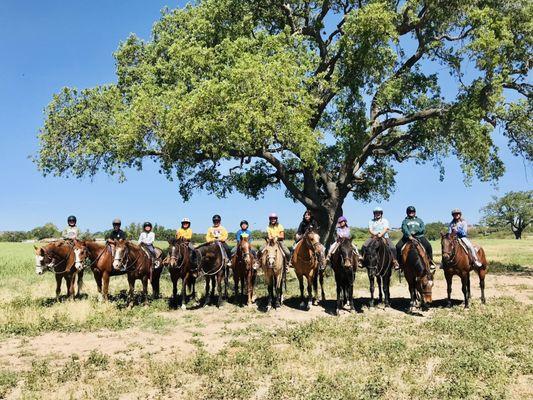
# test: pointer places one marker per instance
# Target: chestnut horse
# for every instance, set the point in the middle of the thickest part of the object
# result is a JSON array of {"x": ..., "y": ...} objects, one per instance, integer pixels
[
  {"x": 417, "y": 272},
  {"x": 179, "y": 265},
  {"x": 102, "y": 256},
  {"x": 60, "y": 258},
  {"x": 378, "y": 262},
  {"x": 306, "y": 259},
  {"x": 272, "y": 261},
  {"x": 242, "y": 264},
  {"x": 456, "y": 261},
  {"x": 212, "y": 266},
  {"x": 344, "y": 263}
]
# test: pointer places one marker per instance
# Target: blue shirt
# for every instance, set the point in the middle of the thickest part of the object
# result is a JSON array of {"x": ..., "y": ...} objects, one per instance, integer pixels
[
  {"x": 461, "y": 227},
  {"x": 240, "y": 232},
  {"x": 378, "y": 226}
]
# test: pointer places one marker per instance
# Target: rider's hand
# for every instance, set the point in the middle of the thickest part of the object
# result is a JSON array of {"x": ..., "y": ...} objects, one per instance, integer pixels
[{"x": 411, "y": 237}]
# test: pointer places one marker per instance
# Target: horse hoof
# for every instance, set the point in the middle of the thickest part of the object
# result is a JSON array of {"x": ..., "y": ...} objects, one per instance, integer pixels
[
  {"x": 372, "y": 304},
  {"x": 268, "y": 308},
  {"x": 449, "y": 304},
  {"x": 302, "y": 304},
  {"x": 337, "y": 313},
  {"x": 183, "y": 307},
  {"x": 309, "y": 306}
]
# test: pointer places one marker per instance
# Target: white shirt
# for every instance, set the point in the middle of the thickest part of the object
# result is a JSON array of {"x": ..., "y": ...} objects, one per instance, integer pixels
[
  {"x": 147, "y": 238},
  {"x": 378, "y": 226}
]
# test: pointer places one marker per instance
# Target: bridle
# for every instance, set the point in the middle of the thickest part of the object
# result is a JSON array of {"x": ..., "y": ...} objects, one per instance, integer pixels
[
  {"x": 181, "y": 256},
  {"x": 453, "y": 243},
  {"x": 427, "y": 272},
  {"x": 378, "y": 270},
  {"x": 52, "y": 265}
]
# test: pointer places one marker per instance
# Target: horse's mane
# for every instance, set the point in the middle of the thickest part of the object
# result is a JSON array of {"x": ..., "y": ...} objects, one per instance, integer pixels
[{"x": 416, "y": 257}]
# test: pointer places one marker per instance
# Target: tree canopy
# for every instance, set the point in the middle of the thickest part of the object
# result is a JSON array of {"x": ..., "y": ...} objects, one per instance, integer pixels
[
  {"x": 515, "y": 209},
  {"x": 324, "y": 98}
]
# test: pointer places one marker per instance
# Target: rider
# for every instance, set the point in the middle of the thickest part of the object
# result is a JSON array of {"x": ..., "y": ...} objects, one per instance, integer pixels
[
  {"x": 185, "y": 234},
  {"x": 147, "y": 239},
  {"x": 460, "y": 227},
  {"x": 342, "y": 231},
  {"x": 218, "y": 233},
  {"x": 308, "y": 221},
  {"x": 414, "y": 228},
  {"x": 276, "y": 231},
  {"x": 379, "y": 227},
  {"x": 71, "y": 231},
  {"x": 244, "y": 231},
  {"x": 117, "y": 233}
]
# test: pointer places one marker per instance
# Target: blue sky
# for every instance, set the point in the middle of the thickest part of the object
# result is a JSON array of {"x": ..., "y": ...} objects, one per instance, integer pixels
[{"x": 45, "y": 45}]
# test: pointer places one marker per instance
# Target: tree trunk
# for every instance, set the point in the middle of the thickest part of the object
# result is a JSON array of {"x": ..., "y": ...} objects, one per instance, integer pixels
[
  {"x": 326, "y": 217},
  {"x": 517, "y": 233}
]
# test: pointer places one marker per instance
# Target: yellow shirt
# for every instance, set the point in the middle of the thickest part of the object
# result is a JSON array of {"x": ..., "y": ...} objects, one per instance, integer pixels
[
  {"x": 274, "y": 230},
  {"x": 216, "y": 233},
  {"x": 184, "y": 234}
]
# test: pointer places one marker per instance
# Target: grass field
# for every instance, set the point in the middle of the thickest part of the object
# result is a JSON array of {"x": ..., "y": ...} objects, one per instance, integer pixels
[{"x": 86, "y": 349}]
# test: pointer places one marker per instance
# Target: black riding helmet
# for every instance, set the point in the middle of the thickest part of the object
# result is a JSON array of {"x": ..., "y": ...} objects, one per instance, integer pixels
[
  {"x": 244, "y": 222},
  {"x": 217, "y": 218},
  {"x": 71, "y": 218},
  {"x": 147, "y": 224},
  {"x": 410, "y": 209},
  {"x": 117, "y": 222}
]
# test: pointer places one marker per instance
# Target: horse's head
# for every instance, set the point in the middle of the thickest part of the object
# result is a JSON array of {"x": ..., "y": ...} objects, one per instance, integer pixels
[
  {"x": 346, "y": 252},
  {"x": 372, "y": 253},
  {"x": 80, "y": 254},
  {"x": 43, "y": 260},
  {"x": 271, "y": 253},
  {"x": 420, "y": 261},
  {"x": 121, "y": 252},
  {"x": 244, "y": 247},
  {"x": 447, "y": 242},
  {"x": 174, "y": 253},
  {"x": 425, "y": 286}
]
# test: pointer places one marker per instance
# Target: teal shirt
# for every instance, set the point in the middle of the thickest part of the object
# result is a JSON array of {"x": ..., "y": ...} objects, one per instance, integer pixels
[{"x": 413, "y": 226}]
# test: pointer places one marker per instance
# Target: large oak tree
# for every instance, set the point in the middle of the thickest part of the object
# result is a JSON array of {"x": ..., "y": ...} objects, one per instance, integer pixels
[{"x": 322, "y": 97}]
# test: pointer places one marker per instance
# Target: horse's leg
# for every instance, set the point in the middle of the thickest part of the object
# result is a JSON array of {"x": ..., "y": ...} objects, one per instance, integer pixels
[
  {"x": 464, "y": 288},
  {"x": 269, "y": 280},
  {"x": 105, "y": 278},
  {"x": 226, "y": 281},
  {"x": 59, "y": 278},
  {"x": 386, "y": 287},
  {"x": 449, "y": 279},
  {"x": 412, "y": 292},
  {"x": 184, "y": 281},
  {"x": 156, "y": 276},
  {"x": 339, "y": 290},
  {"x": 481, "y": 273},
  {"x": 254, "y": 276},
  {"x": 371, "y": 280},
  {"x": 235, "y": 287},
  {"x": 80, "y": 283},
  {"x": 241, "y": 300},
  {"x": 351, "y": 280},
  {"x": 379, "y": 279},
  {"x": 309, "y": 292},
  {"x": 131, "y": 292},
  {"x": 301, "y": 284},
  {"x": 145, "y": 290},
  {"x": 250, "y": 286},
  {"x": 322, "y": 293},
  {"x": 314, "y": 282},
  {"x": 207, "y": 292},
  {"x": 98, "y": 278},
  {"x": 220, "y": 277},
  {"x": 469, "y": 291}
]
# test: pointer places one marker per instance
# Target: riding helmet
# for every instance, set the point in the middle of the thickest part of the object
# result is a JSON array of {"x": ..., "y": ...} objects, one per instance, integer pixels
[
  {"x": 117, "y": 221},
  {"x": 185, "y": 221},
  {"x": 71, "y": 218},
  {"x": 341, "y": 219},
  {"x": 410, "y": 209},
  {"x": 273, "y": 216},
  {"x": 378, "y": 210},
  {"x": 217, "y": 218},
  {"x": 244, "y": 222},
  {"x": 456, "y": 211},
  {"x": 147, "y": 224}
]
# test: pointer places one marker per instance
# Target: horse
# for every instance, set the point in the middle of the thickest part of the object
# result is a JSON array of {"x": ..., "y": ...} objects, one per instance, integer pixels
[
  {"x": 105, "y": 261},
  {"x": 61, "y": 258},
  {"x": 212, "y": 265},
  {"x": 242, "y": 265},
  {"x": 344, "y": 264},
  {"x": 306, "y": 258},
  {"x": 417, "y": 272},
  {"x": 378, "y": 262},
  {"x": 272, "y": 261},
  {"x": 179, "y": 266},
  {"x": 456, "y": 261}
]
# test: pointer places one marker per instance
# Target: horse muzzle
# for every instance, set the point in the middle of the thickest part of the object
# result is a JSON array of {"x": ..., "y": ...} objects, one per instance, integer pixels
[{"x": 39, "y": 270}]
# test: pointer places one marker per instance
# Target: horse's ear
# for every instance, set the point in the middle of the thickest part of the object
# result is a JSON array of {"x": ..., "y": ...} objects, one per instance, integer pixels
[{"x": 35, "y": 247}]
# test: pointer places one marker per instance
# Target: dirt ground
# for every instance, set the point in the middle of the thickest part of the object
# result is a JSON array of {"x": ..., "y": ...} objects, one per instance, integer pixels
[{"x": 212, "y": 328}]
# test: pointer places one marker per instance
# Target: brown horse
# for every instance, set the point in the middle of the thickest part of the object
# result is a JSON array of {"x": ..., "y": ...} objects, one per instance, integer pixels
[
  {"x": 417, "y": 272},
  {"x": 179, "y": 265},
  {"x": 272, "y": 261},
  {"x": 242, "y": 264},
  {"x": 61, "y": 258},
  {"x": 212, "y": 266},
  {"x": 306, "y": 259},
  {"x": 456, "y": 261},
  {"x": 344, "y": 263}
]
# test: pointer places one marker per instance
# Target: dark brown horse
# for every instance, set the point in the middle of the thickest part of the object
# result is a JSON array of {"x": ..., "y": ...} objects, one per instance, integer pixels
[
  {"x": 212, "y": 266},
  {"x": 344, "y": 263},
  {"x": 272, "y": 263},
  {"x": 242, "y": 265},
  {"x": 179, "y": 265},
  {"x": 61, "y": 258},
  {"x": 417, "y": 272},
  {"x": 456, "y": 261},
  {"x": 306, "y": 259},
  {"x": 378, "y": 262}
]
